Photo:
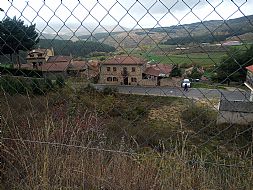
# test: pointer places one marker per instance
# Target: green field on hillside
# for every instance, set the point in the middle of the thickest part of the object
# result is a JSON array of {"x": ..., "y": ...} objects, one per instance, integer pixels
[{"x": 202, "y": 59}]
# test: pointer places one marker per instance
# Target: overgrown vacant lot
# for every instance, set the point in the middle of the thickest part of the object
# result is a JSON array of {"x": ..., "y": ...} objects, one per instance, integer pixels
[{"x": 91, "y": 140}]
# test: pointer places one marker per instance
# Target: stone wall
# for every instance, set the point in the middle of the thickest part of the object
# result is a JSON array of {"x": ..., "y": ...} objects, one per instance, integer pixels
[
  {"x": 148, "y": 82},
  {"x": 171, "y": 82}
]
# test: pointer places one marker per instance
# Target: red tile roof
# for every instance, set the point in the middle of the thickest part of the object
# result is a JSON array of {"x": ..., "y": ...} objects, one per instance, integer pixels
[
  {"x": 250, "y": 68},
  {"x": 59, "y": 58},
  {"x": 158, "y": 70},
  {"x": 54, "y": 67},
  {"x": 124, "y": 60},
  {"x": 78, "y": 65},
  {"x": 48, "y": 67}
]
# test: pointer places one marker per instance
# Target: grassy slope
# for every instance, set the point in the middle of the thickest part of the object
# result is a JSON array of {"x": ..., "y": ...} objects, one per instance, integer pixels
[{"x": 166, "y": 133}]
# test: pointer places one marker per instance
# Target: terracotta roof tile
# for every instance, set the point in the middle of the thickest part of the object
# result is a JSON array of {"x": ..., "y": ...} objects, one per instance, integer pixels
[
  {"x": 250, "y": 68},
  {"x": 124, "y": 60},
  {"x": 59, "y": 58},
  {"x": 56, "y": 66},
  {"x": 78, "y": 65},
  {"x": 158, "y": 70}
]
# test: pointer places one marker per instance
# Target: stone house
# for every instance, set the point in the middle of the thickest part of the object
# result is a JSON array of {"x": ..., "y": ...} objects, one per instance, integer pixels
[
  {"x": 156, "y": 75},
  {"x": 56, "y": 66},
  {"x": 78, "y": 68},
  {"x": 249, "y": 80},
  {"x": 235, "y": 112},
  {"x": 37, "y": 57},
  {"x": 122, "y": 70},
  {"x": 54, "y": 70}
]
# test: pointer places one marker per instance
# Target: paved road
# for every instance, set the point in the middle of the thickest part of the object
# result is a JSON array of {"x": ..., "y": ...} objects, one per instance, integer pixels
[{"x": 178, "y": 92}]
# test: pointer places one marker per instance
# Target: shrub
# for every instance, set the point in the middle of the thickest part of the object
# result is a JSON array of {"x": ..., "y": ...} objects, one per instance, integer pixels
[
  {"x": 60, "y": 82},
  {"x": 176, "y": 72},
  {"x": 110, "y": 91},
  {"x": 195, "y": 74},
  {"x": 137, "y": 113},
  {"x": 49, "y": 85},
  {"x": 37, "y": 87},
  {"x": 13, "y": 85}
]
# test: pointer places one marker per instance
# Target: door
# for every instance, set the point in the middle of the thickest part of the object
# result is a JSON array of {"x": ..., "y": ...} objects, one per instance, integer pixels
[{"x": 125, "y": 80}]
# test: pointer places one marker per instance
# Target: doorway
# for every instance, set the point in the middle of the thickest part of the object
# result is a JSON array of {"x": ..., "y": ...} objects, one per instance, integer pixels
[{"x": 125, "y": 80}]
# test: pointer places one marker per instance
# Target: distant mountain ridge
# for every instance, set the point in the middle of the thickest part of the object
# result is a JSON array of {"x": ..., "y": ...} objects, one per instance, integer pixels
[{"x": 205, "y": 31}]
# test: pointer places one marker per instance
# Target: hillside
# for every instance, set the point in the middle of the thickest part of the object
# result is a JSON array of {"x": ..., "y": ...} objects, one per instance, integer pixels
[
  {"x": 207, "y": 31},
  {"x": 78, "y": 48}
]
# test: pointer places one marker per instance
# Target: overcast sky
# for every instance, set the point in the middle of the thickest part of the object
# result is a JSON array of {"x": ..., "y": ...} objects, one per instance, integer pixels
[{"x": 126, "y": 13}]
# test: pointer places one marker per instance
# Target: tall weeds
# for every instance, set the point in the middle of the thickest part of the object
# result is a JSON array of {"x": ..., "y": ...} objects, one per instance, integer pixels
[{"x": 43, "y": 147}]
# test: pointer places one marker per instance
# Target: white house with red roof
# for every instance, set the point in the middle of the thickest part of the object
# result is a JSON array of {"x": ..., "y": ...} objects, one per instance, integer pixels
[{"x": 249, "y": 80}]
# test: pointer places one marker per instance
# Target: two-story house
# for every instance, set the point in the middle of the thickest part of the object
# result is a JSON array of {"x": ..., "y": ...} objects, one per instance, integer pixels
[
  {"x": 38, "y": 57},
  {"x": 249, "y": 80},
  {"x": 122, "y": 70}
]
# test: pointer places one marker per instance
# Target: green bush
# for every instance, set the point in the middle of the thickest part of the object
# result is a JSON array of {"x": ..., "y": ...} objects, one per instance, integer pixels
[
  {"x": 13, "y": 85},
  {"x": 60, "y": 82},
  {"x": 37, "y": 87},
  {"x": 110, "y": 91},
  {"x": 176, "y": 72},
  {"x": 136, "y": 113},
  {"x": 49, "y": 85},
  {"x": 195, "y": 74}
]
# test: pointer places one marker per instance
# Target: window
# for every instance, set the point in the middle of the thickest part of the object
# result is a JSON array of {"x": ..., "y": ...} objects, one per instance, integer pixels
[
  {"x": 133, "y": 69},
  {"x": 108, "y": 68},
  {"x": 109, "y": 78},
  {"x": 115, "y": 79},
  {"x": 34, "y": 64},
  {"x": 31, "y": 55},
  {"x": 133, "y": 79},
  {"x": 114, "y": 69},
  {"x": 40, "y": 55}
]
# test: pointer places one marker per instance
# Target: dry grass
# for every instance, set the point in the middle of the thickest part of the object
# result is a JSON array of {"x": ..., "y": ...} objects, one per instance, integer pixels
[{"x": 54, "y": 150}]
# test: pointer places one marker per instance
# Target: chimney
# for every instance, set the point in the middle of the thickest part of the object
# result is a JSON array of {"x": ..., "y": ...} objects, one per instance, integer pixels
[{"x": 52, "y": 49}]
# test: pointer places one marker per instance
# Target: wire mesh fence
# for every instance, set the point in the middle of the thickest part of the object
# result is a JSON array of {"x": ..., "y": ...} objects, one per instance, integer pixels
[{"x": 126, "y": 94}]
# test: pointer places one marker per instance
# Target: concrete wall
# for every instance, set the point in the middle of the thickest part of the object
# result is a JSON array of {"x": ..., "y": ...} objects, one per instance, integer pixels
[
  {"x": 234, "y": 117},
  {"x": 172, "y": 82}
]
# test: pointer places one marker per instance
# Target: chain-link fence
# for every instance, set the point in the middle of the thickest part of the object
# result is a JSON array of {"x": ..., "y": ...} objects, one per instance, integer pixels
[{"x": 113, "y": 94}]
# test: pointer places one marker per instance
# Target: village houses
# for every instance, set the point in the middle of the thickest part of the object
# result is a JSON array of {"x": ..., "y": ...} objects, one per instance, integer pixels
[{"x": 53, "y": 66}]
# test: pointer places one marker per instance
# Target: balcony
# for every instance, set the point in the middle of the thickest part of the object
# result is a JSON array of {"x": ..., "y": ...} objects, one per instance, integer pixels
[{"x": 124, "y": 72}]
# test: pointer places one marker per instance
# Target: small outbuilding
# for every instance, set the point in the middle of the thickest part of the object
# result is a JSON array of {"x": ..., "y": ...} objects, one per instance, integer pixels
[{"x": 235, "y": 112}]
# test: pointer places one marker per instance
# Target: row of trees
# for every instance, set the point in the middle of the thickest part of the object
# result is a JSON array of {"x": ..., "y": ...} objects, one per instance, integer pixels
[
  {"x": 77, "y": 49},
  {"x": 232, "y": 67}
]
